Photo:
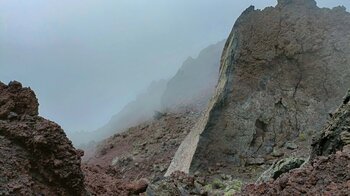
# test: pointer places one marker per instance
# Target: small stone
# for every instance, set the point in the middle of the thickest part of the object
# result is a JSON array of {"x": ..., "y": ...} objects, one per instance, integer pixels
[
  {"x": 115, "y": 161},
  {"x": 162, "y": 168},
  {"x": 277, "y": 153},
  {"x": 280, "y": 167},
  {"x": 255, "y": 161},
  {"x": 12, "y": 116},
  {"x": 197, "y": 173},
  {"x": 291, "y": 146},
  {"x": 346, "y": 149},
  {"x": 57, "y": 162},
  {"x": 137, "y": 187},
  {"x": 345, "y": 137}
]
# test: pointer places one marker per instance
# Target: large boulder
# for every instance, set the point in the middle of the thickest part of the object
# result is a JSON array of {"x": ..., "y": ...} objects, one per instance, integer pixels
[{"x": 283, "y": 69}]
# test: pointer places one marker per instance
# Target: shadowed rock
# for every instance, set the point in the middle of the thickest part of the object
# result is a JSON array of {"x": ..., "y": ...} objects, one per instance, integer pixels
[{"x": 283, "y": 69}]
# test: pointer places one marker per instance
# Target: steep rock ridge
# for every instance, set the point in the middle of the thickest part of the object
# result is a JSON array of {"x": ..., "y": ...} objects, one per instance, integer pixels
[
  {"x": 35, "y": 155},
  {"x": 194, "y": 83},
  {"x": 283, "y": 69}
]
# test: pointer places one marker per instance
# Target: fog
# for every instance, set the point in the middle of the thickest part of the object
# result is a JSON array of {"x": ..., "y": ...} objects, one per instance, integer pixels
[{"x": 87, "y": 59}]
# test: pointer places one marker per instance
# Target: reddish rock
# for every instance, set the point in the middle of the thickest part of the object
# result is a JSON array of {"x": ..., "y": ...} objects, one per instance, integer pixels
[{"x": 36, "y": 156}]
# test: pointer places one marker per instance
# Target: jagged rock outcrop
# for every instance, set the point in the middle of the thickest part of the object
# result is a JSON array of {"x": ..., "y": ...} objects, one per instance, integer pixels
[
  {"x": 337, "y": 133},
  {"x": 327, "y": 172},
  {"x": 283, "y": 69},
  {"x": 17, "y": 100},
  {"x": 322, "y": 176},
  {"x": 35, "y": 155}
]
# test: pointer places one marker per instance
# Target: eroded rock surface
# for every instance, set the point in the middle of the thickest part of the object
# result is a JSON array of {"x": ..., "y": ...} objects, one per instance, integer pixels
[
  {"x": 283, "y": 69},
  {"x": 328, "y": 171},
  {"x": 337, "y": 133},
  {"x": 35, "y": 155}
]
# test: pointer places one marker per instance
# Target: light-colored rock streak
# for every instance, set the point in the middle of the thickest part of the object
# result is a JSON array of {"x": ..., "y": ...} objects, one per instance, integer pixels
[{"x": 184, "y": 155}]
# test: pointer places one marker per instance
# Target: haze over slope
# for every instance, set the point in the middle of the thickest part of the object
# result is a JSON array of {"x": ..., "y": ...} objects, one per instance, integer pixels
[
  {"x": 190, "y": 88},
  {"x": 87, "y": 59}
]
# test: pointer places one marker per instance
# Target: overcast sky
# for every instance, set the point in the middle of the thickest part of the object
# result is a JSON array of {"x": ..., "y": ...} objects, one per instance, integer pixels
[{"x": 86, "y": 59}]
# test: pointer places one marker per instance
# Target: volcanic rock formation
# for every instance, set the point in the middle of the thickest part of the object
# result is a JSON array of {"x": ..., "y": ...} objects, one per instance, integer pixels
[
  {"x": 35, "y": 155},
  {"x": 283, "y": 69},
  {"x": 327, "y": 173}
]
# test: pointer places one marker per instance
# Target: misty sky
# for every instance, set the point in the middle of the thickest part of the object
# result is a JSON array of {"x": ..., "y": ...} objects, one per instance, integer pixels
[{"x": 86, "y": 59}]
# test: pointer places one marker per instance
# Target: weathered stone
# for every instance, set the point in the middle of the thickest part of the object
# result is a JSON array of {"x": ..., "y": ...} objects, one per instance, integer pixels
[
  {"x": 255, "y": 161},
  {"x": 280, "y": 167},
  {"x": 337, "y": 133},
  {"x": 36, "y": 157},
  {"x": 12, "y": 115},
  {"x": 277, "y": 153},
  {"x": 291, "y": 145},
  {"x": 283, "y": 70},
  {"x": 17, "y": 100},
  {"x": 326, "y": 173}
]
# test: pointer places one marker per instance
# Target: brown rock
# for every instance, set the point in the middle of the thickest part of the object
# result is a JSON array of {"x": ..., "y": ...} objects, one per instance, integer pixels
[
  {"x": 36, "y": 156},
  {"x": 137, "y": 187},
  {"x": 17, "y": 100}
]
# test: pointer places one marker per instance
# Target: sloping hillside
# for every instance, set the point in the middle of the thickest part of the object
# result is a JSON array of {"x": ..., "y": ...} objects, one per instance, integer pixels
[
  {"x": 195, "y": 82},
  {"x": 191, "y": 88}
]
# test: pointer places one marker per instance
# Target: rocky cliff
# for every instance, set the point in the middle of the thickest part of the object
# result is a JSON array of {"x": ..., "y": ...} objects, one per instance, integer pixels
[
  {"x": 35, "y": 155},
  {"x": 283, "y": 70}
]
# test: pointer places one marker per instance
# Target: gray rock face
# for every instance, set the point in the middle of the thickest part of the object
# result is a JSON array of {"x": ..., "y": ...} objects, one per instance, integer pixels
[
  {"x": 283, "y": 69},
  {"x": 337, "y": 133}
]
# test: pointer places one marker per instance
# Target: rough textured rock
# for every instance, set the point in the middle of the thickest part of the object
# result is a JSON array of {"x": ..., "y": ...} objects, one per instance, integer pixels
[
  {"x": 337, "y": 133},
  {"x": 179, "y": 183},
  {"x": 17, "y": 100},
  {"x": 280, "y": 167},
  {"x": 328, "y": 171},
  {"x": 323, "y": 176},
  {"x": 35, "y": 155},
  {"x": 283, "y": 69}
]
